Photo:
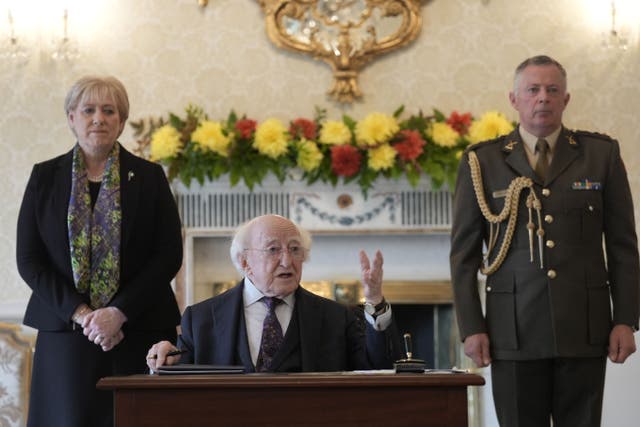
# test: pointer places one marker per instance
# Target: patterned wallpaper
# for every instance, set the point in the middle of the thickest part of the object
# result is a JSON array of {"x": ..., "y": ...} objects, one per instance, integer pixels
[{"x": 170, "y": 53}]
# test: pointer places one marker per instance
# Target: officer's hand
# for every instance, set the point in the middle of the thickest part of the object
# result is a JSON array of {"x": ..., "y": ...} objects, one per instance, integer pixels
[
  {"x": 477, "y": 348},
  {"x": 622, "y": 343}
]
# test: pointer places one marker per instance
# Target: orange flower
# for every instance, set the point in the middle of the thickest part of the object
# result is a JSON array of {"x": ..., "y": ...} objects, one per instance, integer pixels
[
  {"x": 410, "y": 145},
  {"x": 345, "y": 160},
  {"x": 246, "y": 127},
  {"x": 303, "y": 128},
  {"x": 460, "y": 122}
]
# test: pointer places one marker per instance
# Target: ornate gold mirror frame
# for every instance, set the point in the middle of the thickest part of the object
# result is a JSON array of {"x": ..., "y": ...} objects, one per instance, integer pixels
[{"x": 346, "y": 34}]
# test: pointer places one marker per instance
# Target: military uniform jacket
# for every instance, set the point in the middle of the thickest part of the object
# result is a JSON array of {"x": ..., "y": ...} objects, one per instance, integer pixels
[{"x": 590, "y": 278}]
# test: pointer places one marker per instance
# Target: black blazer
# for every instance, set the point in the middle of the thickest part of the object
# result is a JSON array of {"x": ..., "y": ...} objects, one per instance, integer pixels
[
  {"x": 151, "y": 247},
  {"x": 567, "y": 308},
  {"x": 331, "y": 338}
]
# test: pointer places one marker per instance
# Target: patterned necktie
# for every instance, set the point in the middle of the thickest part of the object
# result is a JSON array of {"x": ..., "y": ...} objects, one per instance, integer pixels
[
  {"x": 542, "y": 148},
  {"x": 271, "y": 336}
]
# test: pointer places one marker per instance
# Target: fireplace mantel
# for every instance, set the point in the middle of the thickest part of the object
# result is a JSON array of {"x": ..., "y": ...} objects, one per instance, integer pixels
[
  {"x": 392, "y": 206},
  {"x": 393, "y": 216}
]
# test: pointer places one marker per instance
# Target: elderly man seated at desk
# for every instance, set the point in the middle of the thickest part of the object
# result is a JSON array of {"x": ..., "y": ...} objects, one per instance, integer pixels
[{"x": 269, "y": 323}]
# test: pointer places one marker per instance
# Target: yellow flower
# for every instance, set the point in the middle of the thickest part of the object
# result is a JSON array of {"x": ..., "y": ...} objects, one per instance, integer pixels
[
  {"x": 165, "y": 143},
  {"x": 335, "y": 133},
  {"x": 382, "y": 157},
  {"x": 271, "y": 138},
  {"x": 375, "y": 129},
  {"x": 443, "y": 134},
  {"x": 309, "y": 155},
  {"x": 209, "y": 136},
  {"x": 491, "y": 125}
]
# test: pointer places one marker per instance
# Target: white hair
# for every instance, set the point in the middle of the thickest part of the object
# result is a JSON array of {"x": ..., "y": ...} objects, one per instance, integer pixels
[{"x": 242, "y": 236}]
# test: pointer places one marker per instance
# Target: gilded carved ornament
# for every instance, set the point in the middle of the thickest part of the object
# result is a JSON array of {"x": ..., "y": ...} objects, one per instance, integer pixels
[{"x": 346, "y": 34}]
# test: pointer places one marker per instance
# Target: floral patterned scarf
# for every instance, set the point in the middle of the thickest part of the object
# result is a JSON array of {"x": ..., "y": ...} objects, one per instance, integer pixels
[{"x": 94, "y": 235}]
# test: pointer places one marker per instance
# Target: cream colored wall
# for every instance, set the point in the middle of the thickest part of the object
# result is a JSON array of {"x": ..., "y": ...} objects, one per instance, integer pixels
[{"x": 170, "y": 53}]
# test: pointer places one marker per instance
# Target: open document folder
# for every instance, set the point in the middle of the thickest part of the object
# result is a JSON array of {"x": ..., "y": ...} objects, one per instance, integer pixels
[{"x": 189, "y": 369}]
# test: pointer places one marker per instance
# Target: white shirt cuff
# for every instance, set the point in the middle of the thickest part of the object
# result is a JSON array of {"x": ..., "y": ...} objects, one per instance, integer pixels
[{"x": 381, "y": 322}]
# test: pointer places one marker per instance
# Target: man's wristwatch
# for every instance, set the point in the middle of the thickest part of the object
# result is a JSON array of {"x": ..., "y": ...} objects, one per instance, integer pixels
[{"x": 376, "y": 310}]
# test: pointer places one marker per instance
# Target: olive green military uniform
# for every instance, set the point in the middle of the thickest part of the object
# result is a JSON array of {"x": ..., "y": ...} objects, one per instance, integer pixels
[{"x": 566, "y": 308}]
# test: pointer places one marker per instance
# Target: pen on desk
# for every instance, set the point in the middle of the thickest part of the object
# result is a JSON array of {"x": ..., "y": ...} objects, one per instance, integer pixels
[{"x": 171, "y": 353}]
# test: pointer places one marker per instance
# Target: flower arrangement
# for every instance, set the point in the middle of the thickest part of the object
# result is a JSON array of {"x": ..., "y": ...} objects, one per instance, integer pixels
[{"x": 318, "y": 149}]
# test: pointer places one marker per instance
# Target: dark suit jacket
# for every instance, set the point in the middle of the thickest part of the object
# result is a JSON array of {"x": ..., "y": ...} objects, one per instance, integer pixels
[
  {"x": 151, "y": 247},
  {"x": 151, "y": 254},
  {"x": 529, "y": 314},
  {"x": 331, "y": 339}
]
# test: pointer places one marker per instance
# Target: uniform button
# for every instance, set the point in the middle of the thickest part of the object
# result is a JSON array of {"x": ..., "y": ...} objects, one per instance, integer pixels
[
  {"x": 546, "y": 192},
  {"x": 551, "y": 274},
  {"x": 488, "y": 288},
  {"x": 550, "y": 243},
  {"x": 548, "y": 219},
  {"x": 590, "y": 208}
]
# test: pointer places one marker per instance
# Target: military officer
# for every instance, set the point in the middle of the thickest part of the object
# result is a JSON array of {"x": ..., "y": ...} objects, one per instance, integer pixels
[{"x": 553, "y": 209}]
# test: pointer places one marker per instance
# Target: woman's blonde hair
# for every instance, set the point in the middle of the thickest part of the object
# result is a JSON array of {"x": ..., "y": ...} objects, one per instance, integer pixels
[{"x": 90, "y": 87}]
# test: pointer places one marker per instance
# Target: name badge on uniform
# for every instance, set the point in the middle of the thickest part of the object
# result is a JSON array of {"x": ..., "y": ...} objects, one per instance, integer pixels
[
  {"x": 585, "y": 185},
  {"x": 499, "y": 194}
]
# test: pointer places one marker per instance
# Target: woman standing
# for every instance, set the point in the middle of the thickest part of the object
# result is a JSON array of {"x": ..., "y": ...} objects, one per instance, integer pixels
[{"x": 99, "y": 240}]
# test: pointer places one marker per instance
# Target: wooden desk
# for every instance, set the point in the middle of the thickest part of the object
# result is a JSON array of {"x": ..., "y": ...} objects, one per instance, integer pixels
[{"x": 321, "y": 399}]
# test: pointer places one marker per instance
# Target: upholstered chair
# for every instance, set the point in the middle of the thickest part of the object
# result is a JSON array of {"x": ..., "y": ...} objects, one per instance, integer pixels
[{"x": 15, "y": 374}]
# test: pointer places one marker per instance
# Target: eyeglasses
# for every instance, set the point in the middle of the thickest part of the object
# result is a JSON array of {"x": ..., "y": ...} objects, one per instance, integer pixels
[{"x": 275, "y": 252}]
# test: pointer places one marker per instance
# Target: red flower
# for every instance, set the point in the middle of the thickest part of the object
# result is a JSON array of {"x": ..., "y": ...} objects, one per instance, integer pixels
[
  {"x": 410, "y": 145},
  {"x": 345, "y": 160},
  {"x": 460, "y": 122},
  {"x": 303, "y": 127},
  {"x": 246, "y": 127}
]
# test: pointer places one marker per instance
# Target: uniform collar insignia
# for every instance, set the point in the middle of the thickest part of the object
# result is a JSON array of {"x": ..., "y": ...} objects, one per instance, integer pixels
[
  {"x": 509, "y": 146},
  {"x": 570, "y": 134}
]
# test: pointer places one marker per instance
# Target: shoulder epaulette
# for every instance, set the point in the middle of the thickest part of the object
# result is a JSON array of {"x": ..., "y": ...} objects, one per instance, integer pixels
[
  {"x": 597, "y": 135},
  {"x": 485, "y": 143}
]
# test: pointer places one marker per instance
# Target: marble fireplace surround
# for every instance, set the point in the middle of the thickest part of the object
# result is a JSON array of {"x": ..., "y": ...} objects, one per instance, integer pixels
[{"x": 410, "y": 226}]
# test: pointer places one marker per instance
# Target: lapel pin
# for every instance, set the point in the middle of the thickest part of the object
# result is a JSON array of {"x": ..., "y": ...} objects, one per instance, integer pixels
[
  {"x": 130, "y": 175},
  {"x": 572, "y": 141}
]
